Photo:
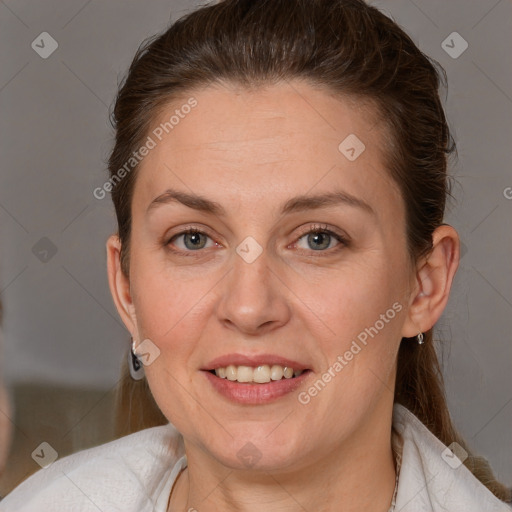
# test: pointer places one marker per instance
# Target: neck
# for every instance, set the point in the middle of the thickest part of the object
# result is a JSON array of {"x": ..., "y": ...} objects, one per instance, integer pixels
[
  {"x": 320, "y": 488},
  {"x": 355, "y": 474},
  {"x": 359, "y": 474}
]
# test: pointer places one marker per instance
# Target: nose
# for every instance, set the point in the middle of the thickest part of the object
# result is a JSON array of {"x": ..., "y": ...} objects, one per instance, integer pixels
[{"x": 253, "y": 299}]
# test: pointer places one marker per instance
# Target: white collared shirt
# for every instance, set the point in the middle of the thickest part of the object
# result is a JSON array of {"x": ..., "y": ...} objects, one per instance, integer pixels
[{"x": 136, "y": 473}]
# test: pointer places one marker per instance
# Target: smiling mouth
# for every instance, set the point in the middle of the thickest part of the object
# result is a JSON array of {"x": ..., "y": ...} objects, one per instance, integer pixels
[{"x": 262, "y": 374}]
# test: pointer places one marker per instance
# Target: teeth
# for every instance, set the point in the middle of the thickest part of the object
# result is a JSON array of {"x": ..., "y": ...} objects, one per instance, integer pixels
[
  {"x": 276, "y": 372},
  {"x": 261, "y": 374},
  {"x": 244, "y": 374},
  {"x": 230, "y": 372},
  {"x": 288, "y": 372}
]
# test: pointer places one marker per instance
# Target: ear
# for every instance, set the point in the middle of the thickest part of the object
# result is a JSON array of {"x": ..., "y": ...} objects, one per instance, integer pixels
[
  {"x": 434, "y": 277},
  {"x": 120, "y": 285}
]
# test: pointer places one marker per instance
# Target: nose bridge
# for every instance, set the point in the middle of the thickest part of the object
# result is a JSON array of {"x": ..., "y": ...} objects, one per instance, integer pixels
[{"x": 252, "y": 296}]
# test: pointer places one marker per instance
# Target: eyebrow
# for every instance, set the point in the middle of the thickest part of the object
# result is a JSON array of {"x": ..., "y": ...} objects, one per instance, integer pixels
[{"x": 295, "y": 204}]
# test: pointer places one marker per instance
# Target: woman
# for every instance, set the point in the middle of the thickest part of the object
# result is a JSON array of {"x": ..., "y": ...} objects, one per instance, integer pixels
[{"x": 279, "y": 179}]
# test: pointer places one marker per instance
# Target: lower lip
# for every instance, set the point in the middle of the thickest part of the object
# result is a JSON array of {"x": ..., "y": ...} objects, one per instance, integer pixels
[{"x": 255, "y": 394}]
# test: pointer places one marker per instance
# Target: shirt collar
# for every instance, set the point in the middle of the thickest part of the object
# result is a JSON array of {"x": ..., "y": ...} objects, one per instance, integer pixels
[{"x": 427, "y": 482}]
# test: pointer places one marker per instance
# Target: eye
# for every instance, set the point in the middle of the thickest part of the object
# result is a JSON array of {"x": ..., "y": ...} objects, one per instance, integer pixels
[
  {"x": 190, "y": 240},
  {"x": 317, "y": 238},
  {"x": 320, "y": 238}
]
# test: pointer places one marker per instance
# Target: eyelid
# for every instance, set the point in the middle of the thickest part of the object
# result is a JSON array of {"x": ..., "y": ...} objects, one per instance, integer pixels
[
  {"x": 314, "y": 227},
  {"x": 191, "y": 228}
]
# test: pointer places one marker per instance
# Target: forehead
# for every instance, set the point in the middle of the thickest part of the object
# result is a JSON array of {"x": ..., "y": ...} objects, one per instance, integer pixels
[{"x": 263, "y": 144}]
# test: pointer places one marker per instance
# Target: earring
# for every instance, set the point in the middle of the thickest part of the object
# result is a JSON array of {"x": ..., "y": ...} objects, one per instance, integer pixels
[
  {"x": 136, "y": 367},
  {"x": 419, "y": 337}
]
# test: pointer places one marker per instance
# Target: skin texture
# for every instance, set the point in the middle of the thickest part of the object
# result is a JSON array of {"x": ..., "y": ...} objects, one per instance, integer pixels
[{"x": 251, "y": 151}]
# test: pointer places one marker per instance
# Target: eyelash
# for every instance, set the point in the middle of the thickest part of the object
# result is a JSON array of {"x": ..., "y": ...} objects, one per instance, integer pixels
[{"x": 316, "y": 228}]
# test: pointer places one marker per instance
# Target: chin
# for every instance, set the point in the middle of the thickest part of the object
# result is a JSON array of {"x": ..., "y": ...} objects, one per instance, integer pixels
[{"x": 257, "y": 453}]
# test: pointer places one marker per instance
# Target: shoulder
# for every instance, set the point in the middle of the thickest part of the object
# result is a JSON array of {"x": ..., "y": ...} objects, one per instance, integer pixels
[
  {"x": 433, "y": 479},
  {"x": 125, "y": 475}
]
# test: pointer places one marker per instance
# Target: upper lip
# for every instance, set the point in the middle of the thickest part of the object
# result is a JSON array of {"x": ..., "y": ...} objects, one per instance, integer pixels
[{"x": 254, "y": 361}]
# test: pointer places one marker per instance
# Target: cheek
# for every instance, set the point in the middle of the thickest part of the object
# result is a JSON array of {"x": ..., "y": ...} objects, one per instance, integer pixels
[
  {"x": 167, "y": 300},
  {"x": 170, "y": 313},
  {"x": 361, "y": 316},
  {"x": 346, "y": 300}
]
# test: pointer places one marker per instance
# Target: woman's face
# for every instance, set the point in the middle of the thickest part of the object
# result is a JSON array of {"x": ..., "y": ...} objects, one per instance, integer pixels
[{"x": 253, "y": 288}]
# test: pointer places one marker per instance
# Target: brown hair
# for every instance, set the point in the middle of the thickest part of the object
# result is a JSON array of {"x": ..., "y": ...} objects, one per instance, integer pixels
[{"x": 347, "y": 48}]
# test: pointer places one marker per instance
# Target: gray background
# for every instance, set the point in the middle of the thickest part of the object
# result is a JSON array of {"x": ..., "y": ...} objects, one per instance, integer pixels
[{"x": 60, "y": 324}]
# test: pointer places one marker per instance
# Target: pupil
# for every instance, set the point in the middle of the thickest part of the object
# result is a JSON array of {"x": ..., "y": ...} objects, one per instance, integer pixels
[
  {"x": 315, "y": 237},
  {"x": 196, "y": 239}
]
